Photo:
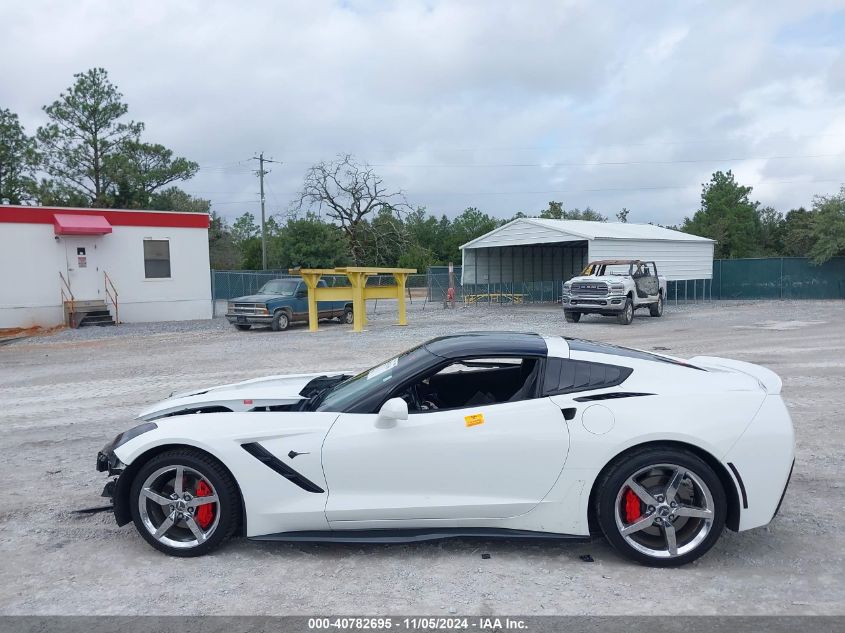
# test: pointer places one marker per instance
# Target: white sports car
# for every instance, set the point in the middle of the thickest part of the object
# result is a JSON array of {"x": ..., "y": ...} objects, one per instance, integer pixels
[{"x": 478, "y": 434}]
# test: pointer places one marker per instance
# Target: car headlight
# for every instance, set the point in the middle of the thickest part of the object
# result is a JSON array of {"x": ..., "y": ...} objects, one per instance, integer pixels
[
  {"x": 617, "y": 289},
  {"x": 263, "y": 310},
  {"x": 230, "y": 307},
  {"x": 132, "y": 433}
]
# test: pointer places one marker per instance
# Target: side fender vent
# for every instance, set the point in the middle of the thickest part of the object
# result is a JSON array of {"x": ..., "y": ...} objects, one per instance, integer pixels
[
  {"x": 271, "y": 461},
  {"x": 613, "y": 395}
]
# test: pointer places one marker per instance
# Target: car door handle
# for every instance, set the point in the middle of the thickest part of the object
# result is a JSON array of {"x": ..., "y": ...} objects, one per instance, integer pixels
[{"x": 569, "y": 413}]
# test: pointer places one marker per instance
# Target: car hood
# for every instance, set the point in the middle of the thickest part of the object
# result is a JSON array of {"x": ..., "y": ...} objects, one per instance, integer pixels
[
  {"x": 239, "y": 396},
  {"x": 256, "y": 298}
]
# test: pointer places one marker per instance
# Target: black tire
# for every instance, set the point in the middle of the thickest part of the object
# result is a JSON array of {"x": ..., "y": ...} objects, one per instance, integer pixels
[
  {"x": 656, "y": 309},
  {"x": 281, "y": 321},
  {"x": 228, "y": 507},
  {"x": 243, "y": 327},
  {"x": 571, "y": 317},
  {"x": 627, "y": 315},
  {"x": 691, "y": 533},
  {"x": 348, "y": 316}
]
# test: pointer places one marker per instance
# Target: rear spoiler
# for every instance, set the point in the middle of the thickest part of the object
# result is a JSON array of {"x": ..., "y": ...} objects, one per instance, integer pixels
[{"x": 769, "y": 380}]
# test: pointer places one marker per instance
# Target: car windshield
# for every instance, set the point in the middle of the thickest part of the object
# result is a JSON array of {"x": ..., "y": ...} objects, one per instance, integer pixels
[
  {"x": 284, "y": 287},
  {"x": 375, "y": 378}
]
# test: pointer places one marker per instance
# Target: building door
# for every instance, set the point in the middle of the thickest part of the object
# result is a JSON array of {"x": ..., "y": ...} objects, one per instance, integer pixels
[{"x": 83, "y": 271}]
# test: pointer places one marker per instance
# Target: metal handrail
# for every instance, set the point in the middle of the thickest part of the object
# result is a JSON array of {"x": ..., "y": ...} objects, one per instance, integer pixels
[
  {"x": 106, "y": 283},
  {"x": 65, "y": 299}
]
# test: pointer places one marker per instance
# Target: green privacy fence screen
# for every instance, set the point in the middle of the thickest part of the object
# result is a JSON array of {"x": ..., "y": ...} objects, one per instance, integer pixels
[{"x": 778, "y": 278}]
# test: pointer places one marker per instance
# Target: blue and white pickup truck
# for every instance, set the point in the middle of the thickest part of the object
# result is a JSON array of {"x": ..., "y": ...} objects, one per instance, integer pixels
[{"x": 281, "y": 302}]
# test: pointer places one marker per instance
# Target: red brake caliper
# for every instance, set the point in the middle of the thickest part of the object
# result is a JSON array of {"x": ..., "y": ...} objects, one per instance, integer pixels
[
  {"x": 205, "y": 512},
  {"x": 633, "y": 507}
]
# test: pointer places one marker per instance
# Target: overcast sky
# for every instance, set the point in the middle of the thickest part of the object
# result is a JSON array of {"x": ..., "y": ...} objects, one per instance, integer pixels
[{"x": 499, "y": 105}]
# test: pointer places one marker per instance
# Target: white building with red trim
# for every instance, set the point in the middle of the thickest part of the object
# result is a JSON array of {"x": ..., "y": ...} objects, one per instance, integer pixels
[{"x": 138, "y": 265}]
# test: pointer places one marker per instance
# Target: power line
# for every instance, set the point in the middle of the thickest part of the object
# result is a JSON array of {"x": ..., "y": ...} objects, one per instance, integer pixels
[
  {"x": 547, "y": 165},
  {"x": 755, "y": 138},
  {"x": 615, "y": 189},
  {"x": 578, "y": 190}
]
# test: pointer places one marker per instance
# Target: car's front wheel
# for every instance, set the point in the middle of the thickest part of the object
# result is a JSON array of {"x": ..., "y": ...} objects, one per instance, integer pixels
[
  {"x": 661, "y": 507},
  {"x": 627, "y": 315},
  {"x": 280, "y": 322},
  {"x": 184, "y": 503},
  {"x": 656, "y": 309},
  {"x": 348, "y": 316}
]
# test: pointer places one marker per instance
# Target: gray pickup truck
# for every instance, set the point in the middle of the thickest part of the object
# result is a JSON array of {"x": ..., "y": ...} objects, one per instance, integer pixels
[
  {"x": 281, "y": 302},
  {"x": 614, "y": 287}
]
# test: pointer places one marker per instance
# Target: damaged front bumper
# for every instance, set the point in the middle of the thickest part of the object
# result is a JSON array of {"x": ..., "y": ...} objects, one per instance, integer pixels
[{"x": 108, "y": 462}]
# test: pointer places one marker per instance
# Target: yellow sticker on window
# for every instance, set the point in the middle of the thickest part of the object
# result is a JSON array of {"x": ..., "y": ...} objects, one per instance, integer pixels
[{"x": 474, "y": 420}]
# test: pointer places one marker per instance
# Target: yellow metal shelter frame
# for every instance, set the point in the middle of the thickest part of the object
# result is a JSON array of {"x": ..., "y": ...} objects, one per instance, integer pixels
[{"x": 357, "y": 291}]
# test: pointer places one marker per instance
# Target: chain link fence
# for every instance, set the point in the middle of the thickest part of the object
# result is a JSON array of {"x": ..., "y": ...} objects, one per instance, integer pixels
[
  {"x": 765, "y": 278},
  {"x": 778, "y": 278},
  {"x": 230, "y": 284}
]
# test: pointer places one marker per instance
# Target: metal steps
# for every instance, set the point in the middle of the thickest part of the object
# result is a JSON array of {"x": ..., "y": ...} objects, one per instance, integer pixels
[{"x": 85, "y": 313}]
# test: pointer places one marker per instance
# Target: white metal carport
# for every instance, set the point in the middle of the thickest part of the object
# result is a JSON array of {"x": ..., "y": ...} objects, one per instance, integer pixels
[{"x": 532, "y": 256}]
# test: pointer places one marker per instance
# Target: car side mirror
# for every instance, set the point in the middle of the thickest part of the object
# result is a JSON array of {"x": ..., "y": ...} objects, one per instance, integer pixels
[
  {"x": 301, "y": 293},
  {"x": 391, "y": 412}
]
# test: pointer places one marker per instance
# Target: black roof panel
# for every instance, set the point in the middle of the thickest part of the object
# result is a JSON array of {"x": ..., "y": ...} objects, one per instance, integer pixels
[{"x": 488, "y": 344}]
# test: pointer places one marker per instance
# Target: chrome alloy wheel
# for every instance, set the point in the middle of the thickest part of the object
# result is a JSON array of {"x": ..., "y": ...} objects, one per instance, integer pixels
[
  {"x": 664, "y": 510},
  {"x": 179, "y": 507}
]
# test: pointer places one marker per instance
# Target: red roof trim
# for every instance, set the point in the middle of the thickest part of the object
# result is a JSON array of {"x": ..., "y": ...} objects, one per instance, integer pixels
[
  {"x": 115, "y": 217},
  {"x": 75, "y": 224}
]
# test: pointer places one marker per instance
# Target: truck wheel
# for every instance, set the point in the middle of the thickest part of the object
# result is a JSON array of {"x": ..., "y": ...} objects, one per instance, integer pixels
[
  {"x": 627, "y": 315},
  {"x": 571, "y": 317},
  {"x": 243, "y": 327},
  {"x": 281, "y": 321},
  {"x": 348, "y": 316},
  {"x": 656, "y": 309}
]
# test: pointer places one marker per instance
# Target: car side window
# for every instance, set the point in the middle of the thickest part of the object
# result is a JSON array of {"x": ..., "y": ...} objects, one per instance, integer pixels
[
  {"x": 564, "y": 375},
  {"x": 474, "y": 382}
]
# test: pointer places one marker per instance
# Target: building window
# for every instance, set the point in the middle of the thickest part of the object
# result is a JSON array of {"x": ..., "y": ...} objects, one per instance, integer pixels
[{"x": 157, "y": 259}]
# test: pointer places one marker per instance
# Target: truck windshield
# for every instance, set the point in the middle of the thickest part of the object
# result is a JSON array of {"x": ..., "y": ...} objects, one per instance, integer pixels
[
  {"x": 617, "y": 269},
  {"x": 283, "y": 287}
]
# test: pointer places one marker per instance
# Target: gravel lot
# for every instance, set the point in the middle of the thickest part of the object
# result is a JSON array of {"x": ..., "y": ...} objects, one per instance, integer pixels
[{"x": 64, "y": 395}]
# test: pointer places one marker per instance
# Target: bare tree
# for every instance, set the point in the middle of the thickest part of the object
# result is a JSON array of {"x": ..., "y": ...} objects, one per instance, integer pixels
[{"x": 349, "y": 193}]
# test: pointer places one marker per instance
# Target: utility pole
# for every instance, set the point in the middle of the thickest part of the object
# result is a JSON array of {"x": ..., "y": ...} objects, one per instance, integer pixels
[{"x": 261, "y": 173}]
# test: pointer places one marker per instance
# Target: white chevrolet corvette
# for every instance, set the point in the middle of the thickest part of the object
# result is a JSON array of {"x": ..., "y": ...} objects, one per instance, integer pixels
[{"x": 481, "y": 434}]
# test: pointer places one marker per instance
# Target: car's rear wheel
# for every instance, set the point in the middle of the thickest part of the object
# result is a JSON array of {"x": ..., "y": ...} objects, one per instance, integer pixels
[
  {"x": 627, "y": 315},
  {"x": 348, "y": 316},
  {"x": 243, "y": 327},
  {"x": 281, "y": 321},
  {"x": 656, "y": 309},
  {"x": 184, "y": 503},
  {"x": 661, "y": 507},
  {"x": 571, "y": 317}
]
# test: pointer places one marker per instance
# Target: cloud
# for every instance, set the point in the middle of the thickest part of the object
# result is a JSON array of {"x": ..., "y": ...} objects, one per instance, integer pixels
[{"x": 499, "y": 105}]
